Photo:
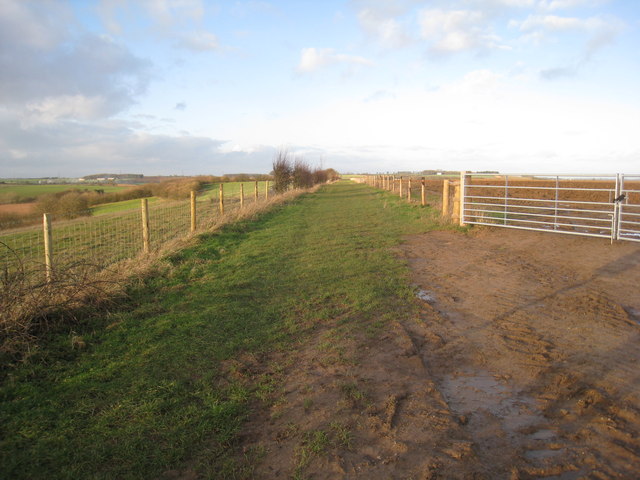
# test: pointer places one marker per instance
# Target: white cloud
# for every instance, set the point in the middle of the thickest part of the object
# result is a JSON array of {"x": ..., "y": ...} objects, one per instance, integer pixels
[
  {"x": 476, "y": 82},
  {"x": 253, "y": 7},
  {"x": 567, "y": 4},
  {"x": 555, "y": 23},
  {"x": 38, "y": 26},
  {"x": 517, "y": 3},
  {"x": 169, "y": 12},
  {"x": 389, "y": 31},
  {"x": 78, "y": 107},
  {"x": 79, "y": 148},
  {"x": 451, "y": 31},
  {"x": 60, "y": 62},
  {"x": 199, "y": 42},
  {"x": 165, "y": 15},
  {"x": 313, "y": 59},
  {"x": 598, "y": 32}
]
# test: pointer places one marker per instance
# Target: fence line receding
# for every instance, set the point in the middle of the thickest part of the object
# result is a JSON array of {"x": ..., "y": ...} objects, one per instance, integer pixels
[
  {"x": 602, "y": 205},
  {"x": 108, "y": 238}
]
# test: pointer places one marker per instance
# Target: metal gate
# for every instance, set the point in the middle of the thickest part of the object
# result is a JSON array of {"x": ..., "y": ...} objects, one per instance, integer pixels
[
  {"x": 606, "y": 206},
  {"x": 628, "y": 214}
]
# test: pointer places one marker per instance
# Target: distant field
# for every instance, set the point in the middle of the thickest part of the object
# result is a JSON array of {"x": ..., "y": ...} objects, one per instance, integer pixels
[
  {"x": 14, "y": 199},
  {"x": 232, "y": 189},
  {"x": 17, "y": 208},
  {"x": 20, "y": 193},
  {"x": 120, "y": 206}
]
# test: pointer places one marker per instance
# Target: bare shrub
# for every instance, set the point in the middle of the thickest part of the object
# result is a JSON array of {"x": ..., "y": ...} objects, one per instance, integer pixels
[
  {"x": 67, "y": 204},
  {"x": 298, "y": 175},
  {"x": 302, "y": 175},
  {"x": 332, "y": 175},
  {"x": 282, "y": 172}
]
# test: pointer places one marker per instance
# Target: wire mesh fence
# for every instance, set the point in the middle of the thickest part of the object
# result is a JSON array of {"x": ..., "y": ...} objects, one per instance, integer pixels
[{"x": 109, "y": 238}]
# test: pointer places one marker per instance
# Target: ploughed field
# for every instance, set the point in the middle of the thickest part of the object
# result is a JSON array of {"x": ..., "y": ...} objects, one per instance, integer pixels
[{"x": 578, "y": 190}]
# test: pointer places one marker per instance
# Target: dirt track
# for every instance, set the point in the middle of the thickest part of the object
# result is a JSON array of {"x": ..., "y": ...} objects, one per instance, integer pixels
[
  {"x": 523, "y": 364},
  {"x": 540, "y": 339}
]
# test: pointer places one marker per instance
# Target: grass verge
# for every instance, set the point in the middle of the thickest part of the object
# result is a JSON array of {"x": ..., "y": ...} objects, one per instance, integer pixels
[{"x": 144, "y": 390}]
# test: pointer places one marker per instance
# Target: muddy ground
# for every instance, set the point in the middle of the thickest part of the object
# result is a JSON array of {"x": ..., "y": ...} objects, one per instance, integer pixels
[{"x": 524, "y": 362}]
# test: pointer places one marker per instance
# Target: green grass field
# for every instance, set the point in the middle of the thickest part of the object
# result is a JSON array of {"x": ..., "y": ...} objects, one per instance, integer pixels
[
  {"x": 123, "y": 206},
  {"x": 232, "y": 189},
  {"x": 150, "y": 391},
  {"x": 28, "y": 192}
]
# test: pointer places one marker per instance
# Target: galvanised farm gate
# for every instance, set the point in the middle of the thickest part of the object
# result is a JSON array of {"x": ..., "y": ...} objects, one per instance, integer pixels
[{"x": 606, "y": 206}]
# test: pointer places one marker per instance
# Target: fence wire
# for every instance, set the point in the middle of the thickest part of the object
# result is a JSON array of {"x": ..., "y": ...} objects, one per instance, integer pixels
[{"x": 106, "y": 239}]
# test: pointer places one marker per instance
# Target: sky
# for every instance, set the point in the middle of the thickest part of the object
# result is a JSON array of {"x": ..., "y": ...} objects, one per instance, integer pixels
[{"x": 186, "y": 87}]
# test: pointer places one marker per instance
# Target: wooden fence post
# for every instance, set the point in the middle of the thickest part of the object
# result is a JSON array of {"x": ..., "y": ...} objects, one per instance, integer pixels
[
  {"x": 400, "y": 194},
  {"x": 455, "y": 215},
  {"x": 423, "y": 198},
  {"x": 255, "y": 192},
  {"x": 193, "y": 211},
  {"x": 48, "y": 247},
  {"x": 409, "y": 190},
  {"x": 461, "y": 194},
  {"x": 445, "y": 198},
  {"x": 221, "y": 198},
  {"x": 266, "y": 190},
  {"x": 393, "y": 184},
  {"x": 241, "y": 194},
  {"x": 146, "y": 244}
]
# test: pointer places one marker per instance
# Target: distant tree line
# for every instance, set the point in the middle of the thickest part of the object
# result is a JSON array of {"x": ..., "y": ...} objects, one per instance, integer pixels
[{"x": 296, "y": 173}]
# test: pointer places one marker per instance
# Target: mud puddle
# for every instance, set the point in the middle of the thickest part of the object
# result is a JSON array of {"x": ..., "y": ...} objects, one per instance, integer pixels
[
  {"x": 426, "y": 296},
  {"x": 472, "y": 391}
]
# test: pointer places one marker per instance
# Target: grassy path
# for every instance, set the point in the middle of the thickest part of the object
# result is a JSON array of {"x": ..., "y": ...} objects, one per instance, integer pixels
[{"x": 147, "y": 388}]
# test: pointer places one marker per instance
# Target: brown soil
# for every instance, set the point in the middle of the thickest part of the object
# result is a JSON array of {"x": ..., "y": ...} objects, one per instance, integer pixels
[
  {"x": 17, "y": 208},
  {"x": 523, "y": 363}
]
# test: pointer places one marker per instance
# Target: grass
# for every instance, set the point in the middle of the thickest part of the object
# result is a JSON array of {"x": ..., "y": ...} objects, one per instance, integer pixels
[
  {"x": 232, "y": 189},
  {"x": 30, "y": 192},
  {"x": 148, "y": 389},
  {"x": 123, "y": 206},
  {"x": 317, "y": 442}
]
